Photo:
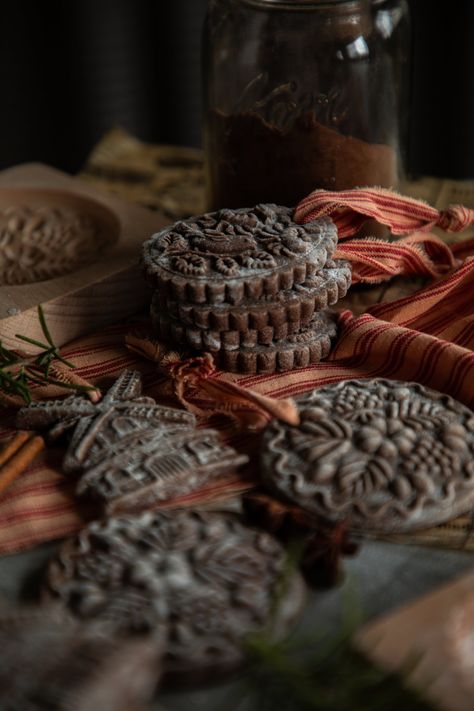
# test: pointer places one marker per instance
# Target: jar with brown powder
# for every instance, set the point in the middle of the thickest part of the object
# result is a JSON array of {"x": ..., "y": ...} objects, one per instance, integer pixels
[{"x": 299, "y": 94}]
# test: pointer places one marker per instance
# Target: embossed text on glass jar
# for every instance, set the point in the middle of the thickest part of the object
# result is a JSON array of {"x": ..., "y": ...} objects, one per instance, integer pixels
[{"x": 298, "y": 95}]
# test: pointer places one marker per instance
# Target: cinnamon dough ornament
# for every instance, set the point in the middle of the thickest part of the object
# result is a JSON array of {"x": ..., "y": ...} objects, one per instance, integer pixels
[
  {"x": 128, "y": 452},
  {"x": 233, "y": 255},
  {"x": 307, "y": 346},
  {"x": 156, "y": 466},
  {"x": 205, "y": 577},
  {"x": 382, "y": 455},
  {"x": 98, "y": 427},
  {"x": 293, "y": 307}
]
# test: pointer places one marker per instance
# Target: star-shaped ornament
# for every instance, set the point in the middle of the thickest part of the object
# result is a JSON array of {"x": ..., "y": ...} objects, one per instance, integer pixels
[
  {"x": 104, "y": 426},
  {"x": 129, "y": 452}
]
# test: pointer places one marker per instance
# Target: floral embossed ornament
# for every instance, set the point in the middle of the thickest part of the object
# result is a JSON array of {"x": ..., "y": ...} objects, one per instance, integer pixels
[
  {"x": 382, "y": 455},
  {"x": 203, "y": 576},
  {"x": 230, "y": 255}
]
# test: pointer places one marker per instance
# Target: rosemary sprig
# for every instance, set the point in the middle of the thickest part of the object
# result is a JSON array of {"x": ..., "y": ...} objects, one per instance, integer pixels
[
  {"x": 18, "y": 374},
  {"x": 338, "y": 678},
  {"x": 316, "y": 671}
]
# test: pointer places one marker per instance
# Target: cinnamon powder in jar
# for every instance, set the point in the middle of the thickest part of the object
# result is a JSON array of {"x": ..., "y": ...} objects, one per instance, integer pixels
[
  {"x": 258, "y": 162},
  {"x": 298, "y": 95}
]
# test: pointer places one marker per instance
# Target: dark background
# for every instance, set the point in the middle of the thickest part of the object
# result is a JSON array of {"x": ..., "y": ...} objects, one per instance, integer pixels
[{"x": 72, "y": 69}]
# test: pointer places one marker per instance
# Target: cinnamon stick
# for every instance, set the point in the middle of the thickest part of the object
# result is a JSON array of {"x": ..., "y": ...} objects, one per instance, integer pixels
[
  {"x": 14, "y": 445},
  {"x": 17, "y": 455}
]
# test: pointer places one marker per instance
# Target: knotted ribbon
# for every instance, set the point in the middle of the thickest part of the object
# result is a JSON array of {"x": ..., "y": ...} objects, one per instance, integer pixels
[
  {"x": 200, "y": 392},
  {"x": 351, "y": 208},
  {"x": 374, "y": 260}
]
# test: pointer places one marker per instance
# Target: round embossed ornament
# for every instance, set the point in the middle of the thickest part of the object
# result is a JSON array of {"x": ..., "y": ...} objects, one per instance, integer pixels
[
  {"x": 383, "y": 455},
  {"x": 298, "y": 350},
  {"x": 226, "y": 327},
  {"x": 233, "y": 255},
  {"x": 205, "y": 577}
]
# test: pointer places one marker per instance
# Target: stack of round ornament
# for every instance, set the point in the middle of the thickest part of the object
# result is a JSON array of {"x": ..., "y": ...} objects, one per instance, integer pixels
[{"x": 249, "y": 286}]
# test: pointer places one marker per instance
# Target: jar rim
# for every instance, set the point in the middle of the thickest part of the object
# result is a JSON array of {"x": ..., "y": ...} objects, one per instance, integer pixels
[{"x": 300, "y": 4}]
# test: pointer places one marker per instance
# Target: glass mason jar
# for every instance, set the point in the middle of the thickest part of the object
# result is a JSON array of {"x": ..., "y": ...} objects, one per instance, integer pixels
[
  {"x": 298, "y": 95},
  {"x": 393, "y": 24}
]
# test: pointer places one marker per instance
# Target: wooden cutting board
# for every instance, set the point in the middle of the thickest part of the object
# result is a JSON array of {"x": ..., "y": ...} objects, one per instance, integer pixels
[
  {"x": 91, "y": 277},
  {"x": 431, "y": 641}
]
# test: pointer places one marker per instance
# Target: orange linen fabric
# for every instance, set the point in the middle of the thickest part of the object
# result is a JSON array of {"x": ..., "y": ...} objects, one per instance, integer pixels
[{"x": 427, "y": 337}]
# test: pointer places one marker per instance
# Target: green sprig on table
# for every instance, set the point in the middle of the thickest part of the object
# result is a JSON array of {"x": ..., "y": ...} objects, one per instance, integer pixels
[
  {"x": 318, "y": 671},
  {"x": 338, "y": 678},
  {"x": 18, "y": 373}
]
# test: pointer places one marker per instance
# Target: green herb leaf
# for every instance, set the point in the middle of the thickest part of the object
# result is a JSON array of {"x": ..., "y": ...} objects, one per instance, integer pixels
[
  {"x": 17, "y": 374},
  {"x": 44, "y": 326}
]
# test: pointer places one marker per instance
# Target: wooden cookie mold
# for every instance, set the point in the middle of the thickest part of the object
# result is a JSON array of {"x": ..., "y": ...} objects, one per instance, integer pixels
[{"x": 71, "y": 248}]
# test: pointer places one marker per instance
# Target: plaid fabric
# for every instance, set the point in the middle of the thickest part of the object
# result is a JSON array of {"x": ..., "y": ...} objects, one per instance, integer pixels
[{"x": 427, "y": 337}]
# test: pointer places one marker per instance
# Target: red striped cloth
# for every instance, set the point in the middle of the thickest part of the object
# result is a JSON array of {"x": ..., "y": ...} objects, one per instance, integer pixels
[
  {"x": 376, "y": 260},
  {"x": 427, "y": 337},
  {"x": 351, "y": 208}
]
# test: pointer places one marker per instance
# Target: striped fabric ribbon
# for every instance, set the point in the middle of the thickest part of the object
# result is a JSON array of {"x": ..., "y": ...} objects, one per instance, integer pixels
[
  {"x": 351, "y": 208},
  {"x": 427, "y": 337},
  {"x": 375, "y": 261}
]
